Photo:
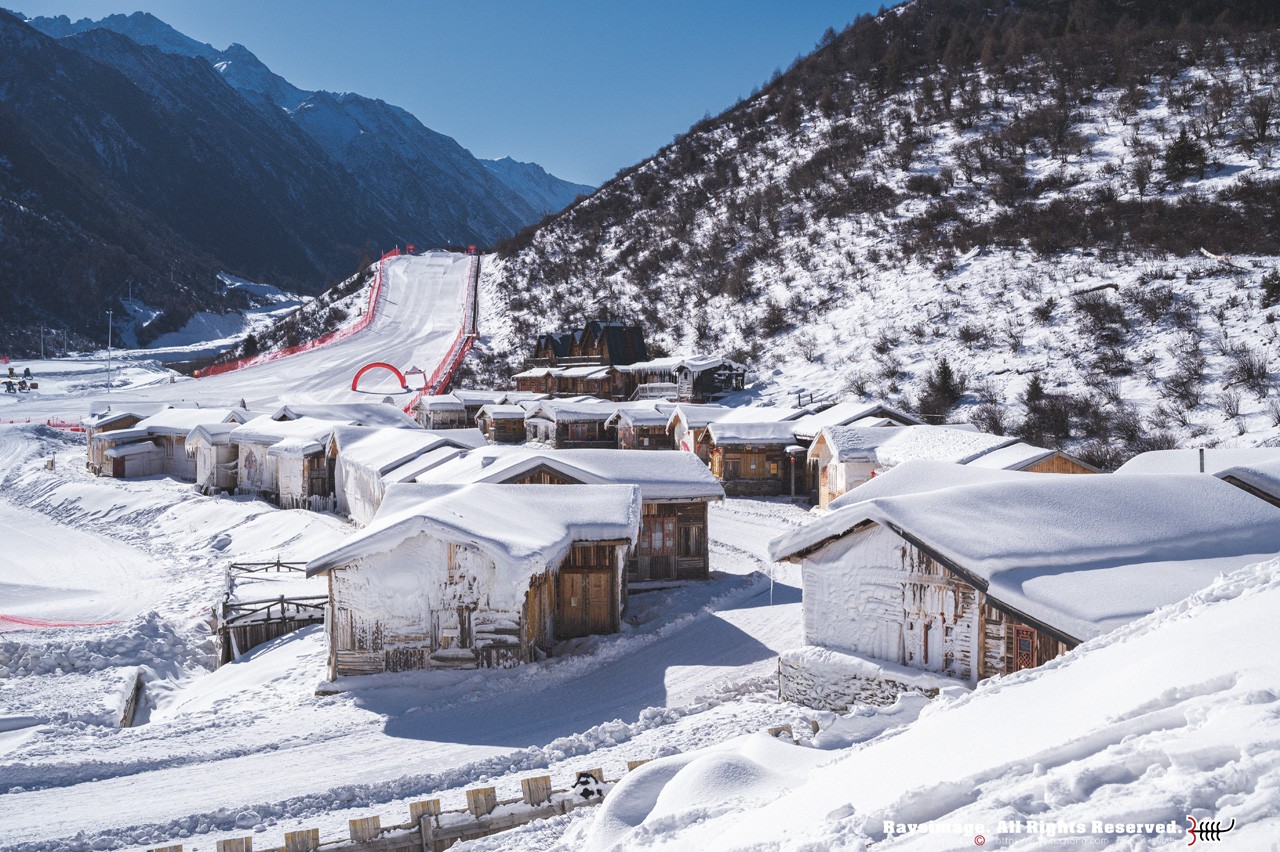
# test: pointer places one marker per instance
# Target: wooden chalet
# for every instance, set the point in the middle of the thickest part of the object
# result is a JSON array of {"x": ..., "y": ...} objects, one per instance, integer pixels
[
  {"x": 477, "y": 576},
  {"x": 216, "y": 458},
  {"x": 474, "y": 400},
  {"x": 365, "y": 460},
  {"x": 502, "y": 424},
  {"x": 844, "y": 457},
  {"x": 569, "y": 425},
  {"x": 688, "y": 423},
  {"x": 441, "y": 411},
  {"x": 851, "y": 413},
  {"x": 985, "y": 579},
  {"x": 690, "y": 379},
  {"x": 107, "y": 419},
  {"x": 160, "y": 443},
  {"x": 642, "y": 426},
  {"x": 755, "y": 459},
  {"x": 675, "y": 489}
]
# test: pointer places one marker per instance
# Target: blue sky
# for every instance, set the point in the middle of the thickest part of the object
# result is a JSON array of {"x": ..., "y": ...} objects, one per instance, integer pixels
[{"x": 583, "y": 88}]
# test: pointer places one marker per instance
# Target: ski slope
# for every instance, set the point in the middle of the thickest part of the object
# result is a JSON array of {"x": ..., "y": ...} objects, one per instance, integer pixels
[{"x": 416, "y": 319}]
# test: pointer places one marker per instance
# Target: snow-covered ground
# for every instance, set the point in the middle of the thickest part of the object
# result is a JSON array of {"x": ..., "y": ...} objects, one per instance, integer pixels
[
  {"x": 1113, "y": 745},
  {"x": 691, "y": 668},
  {"x": 103, "y": 581}
]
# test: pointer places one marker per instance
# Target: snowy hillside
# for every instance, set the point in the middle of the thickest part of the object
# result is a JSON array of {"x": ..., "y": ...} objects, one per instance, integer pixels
[
  {"x": 1114, "y": 744},
  {"x": 1019, "y": 206}
]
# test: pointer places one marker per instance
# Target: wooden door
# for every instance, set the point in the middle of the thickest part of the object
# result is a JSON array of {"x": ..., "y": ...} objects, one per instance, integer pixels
[
  {"x": 117, "y": 467},
  {"x": 571, "y": 605},
  {"x": 585, "y": 603},
  {"x": 600, "y": 601}
]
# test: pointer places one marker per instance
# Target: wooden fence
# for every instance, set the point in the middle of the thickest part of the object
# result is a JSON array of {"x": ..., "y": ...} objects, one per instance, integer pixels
[
  {"x": 431, "y": 829},
  {"x": 242, "y": 625}
]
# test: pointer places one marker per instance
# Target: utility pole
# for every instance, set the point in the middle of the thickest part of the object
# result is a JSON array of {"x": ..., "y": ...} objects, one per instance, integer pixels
[
  {"x": 41, "y": 341},
  {"x": 108, "y": 351}
]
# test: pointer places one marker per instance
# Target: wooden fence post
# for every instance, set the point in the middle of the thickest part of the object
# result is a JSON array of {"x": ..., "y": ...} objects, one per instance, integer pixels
[
  {"x": 175, "y": 848},
  {"x": 428, "y": 807},
  {"x": 779, "y": 730},
  {"x": 536, "y": 790},
  {"x": 481, "y": 801},
  {"x": 598, "y": 773},
  {"x": 302, "y": 840},
  {"x": 632, "y": 765},
  {"x": 365, "y": 828},
  {"x": 236, "y": 844}
]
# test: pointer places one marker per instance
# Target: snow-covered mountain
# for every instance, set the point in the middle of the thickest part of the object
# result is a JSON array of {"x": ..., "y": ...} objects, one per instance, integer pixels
[
  {"x": 139, "y": 159},
  {"x": 1006, "y": 190},
  {"x": 432, "y": 186},
  {"x": 545, "y": 191}
]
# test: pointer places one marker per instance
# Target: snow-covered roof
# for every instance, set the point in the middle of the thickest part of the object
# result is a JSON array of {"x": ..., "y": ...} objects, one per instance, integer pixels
[
  {"x": 692, "y": 363},
  {"x": 913, "y": 477},
  {"x": 1188, "y": 461},
  {"x": 516, "y": 397},
  {"x": 1262, "y": 478},
  {"x": 525, "y": 529},
  {"x": 535, "y": 373},
  {"x": 354, "y": 413},
  {"x": 887, "y": 445},
  {"x": 846, "y": 414},
  {"x": 1081, "y": 554},
  {"x": 557, "y": 410},
  {"x": 295, "y": 447},
  {"x": 650, "y": 413},
  {"x": 696, "y": 416},
  {"x": 661, "y": 474},
  {"x": 105, "y": 417},
  {"x": 268, "y": 431},
  {"x": 381, "y": 449},
  {"x": 589, "y": 371},
  {"x": 418, "y": 465},
  {"x": 180, "y": 421},
  {"x": 653, "y": 365},
  {"x": 1015, "y": 456},
  {"x": 503, "y": 412},
  {"x": 478, "y": 397},
  {"x": 440, "y": 402},
  {"x": 755, "y": 434},
  {"x": 137, "y": 448},
  {"x": 211, "y": 434}
]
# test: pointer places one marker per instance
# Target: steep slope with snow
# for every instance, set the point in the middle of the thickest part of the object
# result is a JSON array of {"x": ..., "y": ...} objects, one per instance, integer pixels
[{"x": 1009, "y": 190}]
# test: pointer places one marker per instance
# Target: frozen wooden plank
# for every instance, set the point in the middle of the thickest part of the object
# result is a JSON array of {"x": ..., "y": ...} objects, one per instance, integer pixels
[
  {"x": 365, "y": 828},
  {"x": 536, "y": 790},
  {"x": 481, "y": 801},
  {"x": 302, "y": 840},
  {"x": 236, "y": 844},
  {"x": 427, "y": 807}
]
